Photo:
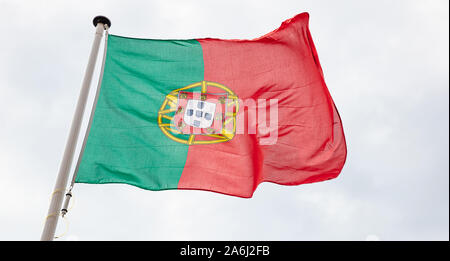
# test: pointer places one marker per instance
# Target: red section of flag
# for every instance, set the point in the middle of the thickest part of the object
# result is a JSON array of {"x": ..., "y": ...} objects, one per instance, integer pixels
[{"x": 281, "y": 65}]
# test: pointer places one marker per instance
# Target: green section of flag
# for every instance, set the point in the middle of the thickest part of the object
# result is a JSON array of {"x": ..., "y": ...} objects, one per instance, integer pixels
[{"x": 125, "y": 144}]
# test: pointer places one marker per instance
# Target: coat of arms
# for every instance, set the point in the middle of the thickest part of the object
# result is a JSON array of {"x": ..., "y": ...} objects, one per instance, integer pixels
[{"x": 200, "y": 113}]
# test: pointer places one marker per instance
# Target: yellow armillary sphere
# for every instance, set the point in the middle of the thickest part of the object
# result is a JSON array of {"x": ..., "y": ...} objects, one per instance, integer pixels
[{"x": 199, "y": 113}]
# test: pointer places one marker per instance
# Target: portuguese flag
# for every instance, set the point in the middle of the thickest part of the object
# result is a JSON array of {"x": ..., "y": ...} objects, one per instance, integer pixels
[{"x": 168, "y": 114}]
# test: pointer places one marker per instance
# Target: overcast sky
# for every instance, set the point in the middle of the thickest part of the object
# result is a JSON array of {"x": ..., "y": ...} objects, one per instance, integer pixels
[{"x": 386, "y": 66}]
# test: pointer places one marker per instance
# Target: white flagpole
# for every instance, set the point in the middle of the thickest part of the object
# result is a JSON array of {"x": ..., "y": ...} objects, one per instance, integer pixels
[{"x": 66, "y": 163}]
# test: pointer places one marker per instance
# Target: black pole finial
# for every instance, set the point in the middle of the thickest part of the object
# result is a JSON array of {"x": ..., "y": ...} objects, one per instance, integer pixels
[{"x": 101, "y": 19}]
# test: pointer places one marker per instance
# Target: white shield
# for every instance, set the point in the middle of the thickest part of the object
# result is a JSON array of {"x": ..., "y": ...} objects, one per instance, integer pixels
[{"x": 199, "y": 114}]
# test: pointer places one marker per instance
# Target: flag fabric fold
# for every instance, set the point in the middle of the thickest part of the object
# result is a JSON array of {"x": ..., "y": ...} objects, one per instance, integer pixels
[{"x": 169, "y": 114}]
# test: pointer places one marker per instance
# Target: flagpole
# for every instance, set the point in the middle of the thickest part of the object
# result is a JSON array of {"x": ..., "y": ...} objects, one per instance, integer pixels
[{"x": 51, "y": 220}]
